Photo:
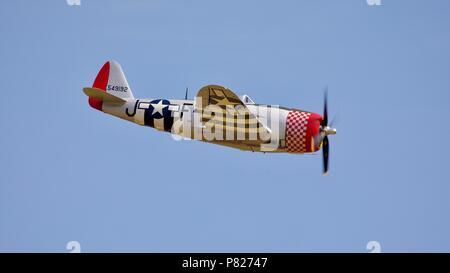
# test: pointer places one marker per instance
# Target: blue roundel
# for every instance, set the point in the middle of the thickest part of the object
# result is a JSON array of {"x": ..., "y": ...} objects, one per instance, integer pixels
[{"x": 159, "y": 109}]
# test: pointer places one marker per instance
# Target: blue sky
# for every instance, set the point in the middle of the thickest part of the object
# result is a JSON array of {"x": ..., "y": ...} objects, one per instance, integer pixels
[{"x": 69, "y": 172}]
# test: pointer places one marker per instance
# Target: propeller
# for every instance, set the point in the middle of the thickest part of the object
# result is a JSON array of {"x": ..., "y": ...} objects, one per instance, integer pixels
[{"x": 325, "y": 130}]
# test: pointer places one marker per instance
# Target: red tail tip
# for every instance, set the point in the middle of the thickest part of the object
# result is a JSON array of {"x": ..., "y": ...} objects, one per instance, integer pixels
[{"x": 101, "y": 81}]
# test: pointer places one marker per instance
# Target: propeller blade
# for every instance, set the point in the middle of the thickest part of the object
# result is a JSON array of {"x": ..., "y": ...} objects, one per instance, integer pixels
[
  {"x": 325, "y": 108},
  {"x": 325, "y": 154}
]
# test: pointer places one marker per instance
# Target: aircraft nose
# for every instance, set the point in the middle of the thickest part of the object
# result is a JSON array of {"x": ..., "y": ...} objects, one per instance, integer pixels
[
  {"x": 313, "y": 132},
  {"x": 302, "y": 132}
]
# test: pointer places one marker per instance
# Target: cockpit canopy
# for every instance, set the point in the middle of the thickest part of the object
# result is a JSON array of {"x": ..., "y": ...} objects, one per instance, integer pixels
[{"x": 247, "y": 100}]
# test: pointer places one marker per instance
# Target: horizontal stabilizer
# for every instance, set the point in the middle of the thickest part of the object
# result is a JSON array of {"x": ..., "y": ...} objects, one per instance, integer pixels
[{"x": 102, "y": 95}]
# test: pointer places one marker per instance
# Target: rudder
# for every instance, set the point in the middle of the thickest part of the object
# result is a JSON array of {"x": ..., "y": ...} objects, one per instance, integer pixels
[{"x": 111, "y": 79}]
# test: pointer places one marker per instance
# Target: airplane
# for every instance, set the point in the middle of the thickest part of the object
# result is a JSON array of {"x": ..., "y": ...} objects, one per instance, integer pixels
[{"x": 217, "y": 115}]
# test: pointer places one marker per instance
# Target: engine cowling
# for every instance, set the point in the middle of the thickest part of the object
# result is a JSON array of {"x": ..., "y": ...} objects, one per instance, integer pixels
[{"x": 301, "y": 130}]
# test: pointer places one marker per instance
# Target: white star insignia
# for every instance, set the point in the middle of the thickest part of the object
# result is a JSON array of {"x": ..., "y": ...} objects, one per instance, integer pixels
[{"x": 158, "y": 108}]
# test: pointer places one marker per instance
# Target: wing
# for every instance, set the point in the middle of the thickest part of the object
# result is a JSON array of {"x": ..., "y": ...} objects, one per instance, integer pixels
[{"x": 223, "y": 111}]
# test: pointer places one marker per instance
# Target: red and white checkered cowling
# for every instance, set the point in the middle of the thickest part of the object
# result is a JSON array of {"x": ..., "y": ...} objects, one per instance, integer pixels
[{"x": 301, "y": 127}]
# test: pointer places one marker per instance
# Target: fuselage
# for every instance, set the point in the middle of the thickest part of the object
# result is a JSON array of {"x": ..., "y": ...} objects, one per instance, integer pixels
[{"x": 291, "y": 130}]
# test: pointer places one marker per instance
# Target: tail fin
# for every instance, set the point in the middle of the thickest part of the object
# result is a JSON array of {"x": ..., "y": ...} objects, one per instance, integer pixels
[{"x": 111, "y": 80}]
